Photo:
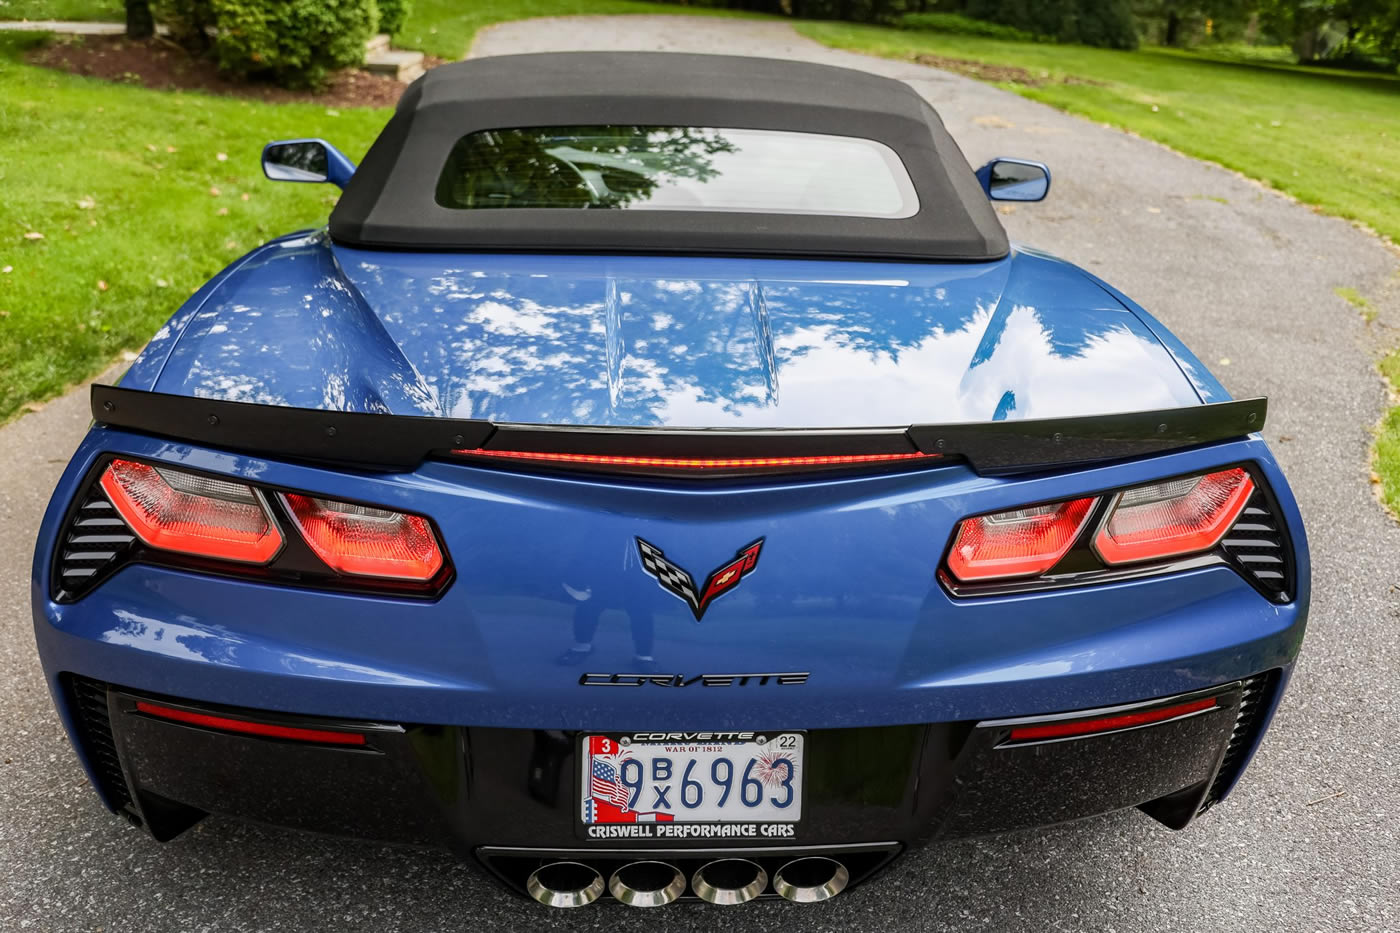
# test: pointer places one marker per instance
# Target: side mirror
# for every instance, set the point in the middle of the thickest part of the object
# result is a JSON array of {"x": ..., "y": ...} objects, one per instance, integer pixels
[
  {"x": 1015, "y": 180},
  {"x": 310, "y": 160}
]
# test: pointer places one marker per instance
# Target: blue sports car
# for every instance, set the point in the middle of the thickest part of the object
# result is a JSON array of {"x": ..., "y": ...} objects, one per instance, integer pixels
[{"x": 662, "y": 479}]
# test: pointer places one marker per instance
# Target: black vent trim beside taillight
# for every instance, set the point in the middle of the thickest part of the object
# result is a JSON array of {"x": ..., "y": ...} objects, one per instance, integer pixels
[
  {"x": 1256, "y": 696},
  {"x": 94, "y": 543},
  {"x": 87, "y": 701},
  {"x": 1258, "y": 547}
]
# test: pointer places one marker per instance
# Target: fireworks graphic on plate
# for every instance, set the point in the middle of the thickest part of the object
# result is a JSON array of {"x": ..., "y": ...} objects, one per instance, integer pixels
[{"x": 773, "y": 768}]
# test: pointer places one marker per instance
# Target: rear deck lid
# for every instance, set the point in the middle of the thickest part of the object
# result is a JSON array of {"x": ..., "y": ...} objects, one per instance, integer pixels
[{"x": 759, "y": 343}]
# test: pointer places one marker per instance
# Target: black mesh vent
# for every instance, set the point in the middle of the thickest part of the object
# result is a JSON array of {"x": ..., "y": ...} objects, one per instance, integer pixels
[
  {"x": 88, "y": 699},
  {"x": 1254, "y": 703},
  {"x": 91, "y": 547},
  {"x": 1258, "y": 546}
]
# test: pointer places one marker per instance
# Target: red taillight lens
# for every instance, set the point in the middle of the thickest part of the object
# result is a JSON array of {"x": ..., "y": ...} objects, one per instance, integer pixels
[
  {"x": 1180, "y": 516},
  {"x": 1018, "y": 543},
  {"x": 189, "y": 514},
  {"x": 367, "y": 542}
]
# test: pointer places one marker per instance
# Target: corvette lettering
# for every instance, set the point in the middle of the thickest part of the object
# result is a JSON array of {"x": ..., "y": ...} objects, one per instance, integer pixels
[
  {"x": 692, "y": 736},
  {"x": 784, "y": 679},
  {"x": 680, "y": 584}
]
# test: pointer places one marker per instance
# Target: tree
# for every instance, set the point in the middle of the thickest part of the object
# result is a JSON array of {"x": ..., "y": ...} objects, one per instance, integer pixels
[
  {"x": 1177, "y": 21},
  {"x": 1104, "y": 23},
  {"x": 1329, "y": 29},
  {"x": 585, "y": 167},
  {"x": 139, "y": 22}
]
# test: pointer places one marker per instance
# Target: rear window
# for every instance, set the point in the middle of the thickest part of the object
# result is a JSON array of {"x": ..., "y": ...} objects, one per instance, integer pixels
[{"x": 675, "y": 168}]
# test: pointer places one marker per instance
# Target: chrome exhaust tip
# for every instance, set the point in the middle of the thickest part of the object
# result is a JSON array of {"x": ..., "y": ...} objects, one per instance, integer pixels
[
  {"x": 729, "y": 881},
  {"x": 811, "y": 879},
  {"x": 565, "y": 884},
  {"x": 647, "y": 884}
]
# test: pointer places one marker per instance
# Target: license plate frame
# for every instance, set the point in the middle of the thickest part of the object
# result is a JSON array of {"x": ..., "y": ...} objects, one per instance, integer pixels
[{"x": 598, "y": 814}]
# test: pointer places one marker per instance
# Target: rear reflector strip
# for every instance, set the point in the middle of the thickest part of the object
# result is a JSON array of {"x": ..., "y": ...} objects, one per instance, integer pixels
[
  {"x": 677, "y": 463},
  {"x": 265, "y": 729},
  {"x": 1061, "y": 730}
]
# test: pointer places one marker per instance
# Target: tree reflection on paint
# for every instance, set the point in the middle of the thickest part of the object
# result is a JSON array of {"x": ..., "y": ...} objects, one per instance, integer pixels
[{"x": 594, "y": 167}]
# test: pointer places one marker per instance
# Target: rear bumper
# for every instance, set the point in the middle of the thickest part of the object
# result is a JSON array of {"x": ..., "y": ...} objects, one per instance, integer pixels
[{"x": 509, "y": 797}]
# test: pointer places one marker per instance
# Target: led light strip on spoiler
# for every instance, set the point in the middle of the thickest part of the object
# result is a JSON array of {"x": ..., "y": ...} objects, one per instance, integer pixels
[{"x": 402, "y": 442}]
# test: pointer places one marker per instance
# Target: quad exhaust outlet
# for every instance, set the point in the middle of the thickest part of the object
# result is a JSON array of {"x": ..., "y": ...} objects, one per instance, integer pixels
[
  {"x": 647, "y": 884},
  {"x": 565, "y": 884},
  {"x": 723, "y": 881},
  {"x": 810, "y": 879},
  {"x": 729, "y": 881}
]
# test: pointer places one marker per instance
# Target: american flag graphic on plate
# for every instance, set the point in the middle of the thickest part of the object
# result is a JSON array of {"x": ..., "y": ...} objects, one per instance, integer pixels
[
  {"x": 607, "y": 800},
  {"x": 605, "y": 784}
]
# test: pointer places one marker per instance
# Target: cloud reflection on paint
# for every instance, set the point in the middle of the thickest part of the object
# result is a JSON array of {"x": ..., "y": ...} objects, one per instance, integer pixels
[{"x": 671, "y": 341}]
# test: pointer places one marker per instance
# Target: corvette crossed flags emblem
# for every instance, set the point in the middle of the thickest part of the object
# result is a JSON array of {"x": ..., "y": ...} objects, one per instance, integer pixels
[{"x": 681, "y": 584}]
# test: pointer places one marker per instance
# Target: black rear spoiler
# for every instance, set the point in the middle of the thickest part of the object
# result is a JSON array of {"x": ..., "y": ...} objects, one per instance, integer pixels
[{"x": 401, "y": 442}]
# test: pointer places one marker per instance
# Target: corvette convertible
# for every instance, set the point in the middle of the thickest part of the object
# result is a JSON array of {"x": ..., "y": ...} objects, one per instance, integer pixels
[{"x": 661, "y": 479}]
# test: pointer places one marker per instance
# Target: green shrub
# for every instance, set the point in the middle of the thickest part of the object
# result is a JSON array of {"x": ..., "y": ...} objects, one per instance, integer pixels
[
  {"x": 187, "y": 20},
  {"x": 953, "y": 24},
  {"x": 1105, "y": 23},
  {"x": 392, "y": 13},
  {"x": 295, "y": 43}
]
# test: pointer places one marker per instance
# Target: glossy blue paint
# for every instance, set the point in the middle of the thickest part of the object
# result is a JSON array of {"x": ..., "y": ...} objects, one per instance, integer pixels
[
  {"x": 665, "y": 341},
  {"x": 845, "y": 590},
  {"x": 846, "y": 586}
]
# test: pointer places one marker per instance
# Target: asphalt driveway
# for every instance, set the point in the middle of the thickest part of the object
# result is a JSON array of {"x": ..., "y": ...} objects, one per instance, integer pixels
[{"x": 1310, "y": 842}]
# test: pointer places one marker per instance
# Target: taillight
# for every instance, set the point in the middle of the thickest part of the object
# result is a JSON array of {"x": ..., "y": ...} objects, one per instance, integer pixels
[
  {"x": 171, "y": 517},
  {"x": 1179, "y": 516},
  {"x": 367, "y": 542},
  {"x": 189, "y": 514},
  {"x": 1018, "y": 543}
]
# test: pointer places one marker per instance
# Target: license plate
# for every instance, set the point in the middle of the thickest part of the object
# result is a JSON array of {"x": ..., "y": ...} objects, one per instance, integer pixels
[{"x": 662, "y": 783}]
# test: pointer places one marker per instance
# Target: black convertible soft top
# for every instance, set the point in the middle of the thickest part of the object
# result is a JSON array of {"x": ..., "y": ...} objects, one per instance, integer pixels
[{"x": 390, "y": 202}]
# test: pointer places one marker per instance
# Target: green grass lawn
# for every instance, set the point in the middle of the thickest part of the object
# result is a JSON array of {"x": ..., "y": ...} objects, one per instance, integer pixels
[
  {"x": 1328, "y": 138},
  {"x": 109, "y": 11},
  {"x": 121, "y": 183},
  {"x": 1387, "y": 461},
  {"x": 90, "y": 166}
]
